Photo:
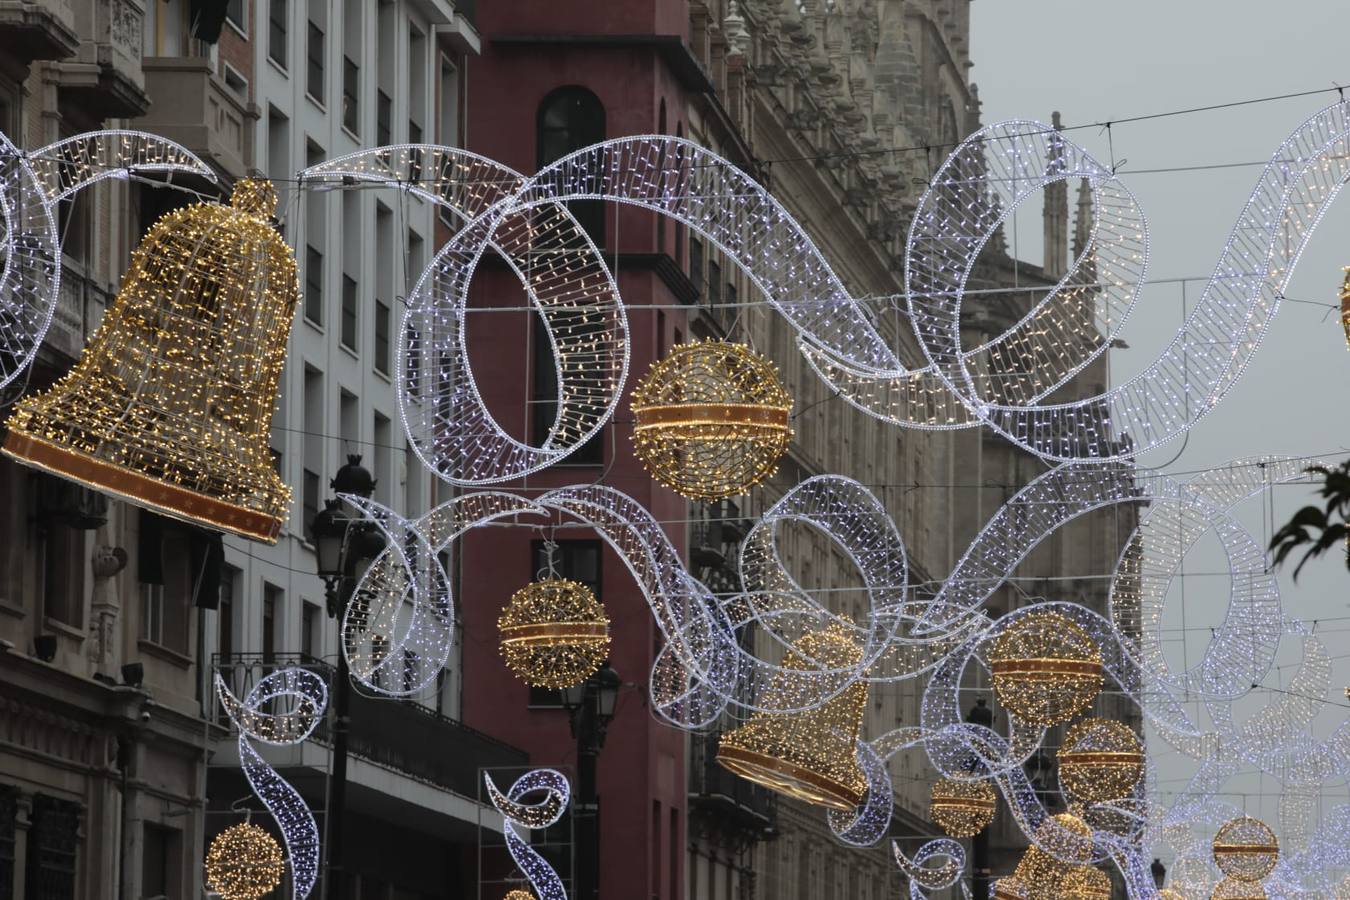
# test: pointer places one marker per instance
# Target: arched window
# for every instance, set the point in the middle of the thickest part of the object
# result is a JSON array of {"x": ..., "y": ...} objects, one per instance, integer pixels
[{"x": 571, "y": 118}]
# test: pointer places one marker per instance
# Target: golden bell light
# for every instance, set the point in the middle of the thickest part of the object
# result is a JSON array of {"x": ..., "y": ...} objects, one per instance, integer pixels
[
  {"x": 1009, "y": 887},
  {"x": 170, "y": 404},
  {"x": 809, "y": 755},
  {"x": 1085, "y": 883}
]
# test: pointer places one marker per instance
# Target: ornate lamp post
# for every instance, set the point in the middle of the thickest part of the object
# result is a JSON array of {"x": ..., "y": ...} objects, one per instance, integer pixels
[
  {"x": 344, "y": 545},
  {"x": 591, "y": 704}
]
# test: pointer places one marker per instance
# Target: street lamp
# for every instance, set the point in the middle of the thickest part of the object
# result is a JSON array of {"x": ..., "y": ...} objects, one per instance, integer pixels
[
  {"x": 344, "y": 544},
  {"x": 591, "y": 703}
]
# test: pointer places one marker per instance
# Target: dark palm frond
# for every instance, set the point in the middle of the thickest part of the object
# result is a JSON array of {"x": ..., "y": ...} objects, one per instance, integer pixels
[{"x": 1322, "y": 528}]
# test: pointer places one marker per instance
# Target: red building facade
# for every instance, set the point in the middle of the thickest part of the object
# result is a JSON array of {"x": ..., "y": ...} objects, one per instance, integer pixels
[{"x": 553, "y": 77}]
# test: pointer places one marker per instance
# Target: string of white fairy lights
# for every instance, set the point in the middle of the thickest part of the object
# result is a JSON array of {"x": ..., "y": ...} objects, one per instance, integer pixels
[
  {"x": 282, "y": 709},
  {"x": 31, "y": 186}
]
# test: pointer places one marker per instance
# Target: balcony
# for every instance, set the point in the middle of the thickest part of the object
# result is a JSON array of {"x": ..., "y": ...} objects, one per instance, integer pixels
[
  {"x": 398, "y": 735},
  {"x": 194, "y": 107},
  {"x": 36, "y": 29},
  {"x": 730, "y": 799},
  {"x": 105, "y": 76}
]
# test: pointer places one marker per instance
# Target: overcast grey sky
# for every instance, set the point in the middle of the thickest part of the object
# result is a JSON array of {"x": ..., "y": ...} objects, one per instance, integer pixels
[{"x": 1095, "y": 61}]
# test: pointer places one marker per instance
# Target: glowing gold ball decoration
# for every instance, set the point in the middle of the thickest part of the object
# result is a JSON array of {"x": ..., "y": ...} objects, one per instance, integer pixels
[
  {"x": 1067, "y": 842},
  {"x": 518, "y": 894},
  {"x": 170, "y": 405},
  {"x": 809, "y": 755},
  {"x": 1170, "y": 894},
  {"x": 243, "y": 863},
  {"x": 1009, "y": 887},
  {"x": 1237, "y": 889},
  {"x": 1246, "y": 849},
  {"x": 1046, "y": 669},
  {"x": 554, "y": 633},
  {"x": 711, "y": 419},
  {"x": 1100, "y": 760},
  {"x": 1086, "y": 883},
  {"x": 962, "y": 808}
]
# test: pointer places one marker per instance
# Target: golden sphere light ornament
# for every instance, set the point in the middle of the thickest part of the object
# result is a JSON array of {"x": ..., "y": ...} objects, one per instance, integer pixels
[
  {"x": 809, "y": 755},
  {"x": 711, "y": 419},
  {"x": 554, "y": 633},
  {"x": 1345, "y": 306},
  {"x": 171, "y": 403},
  {"x": 1238, "y": 889},
  {"x": 1100, "y": 760},
  {"x": 518, "y": 894},
  {"x": 1046, "y": 669},
  {"x": 962, "y": 809},
  {"x": 1063, "y": 841},
  {"x": 243, "y": 863},
  {"x": 1246, "y": 849},
  {"x": 1086, "y": 883}
]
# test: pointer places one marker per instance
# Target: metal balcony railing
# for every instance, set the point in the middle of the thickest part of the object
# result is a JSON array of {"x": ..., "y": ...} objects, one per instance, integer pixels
[
  {"x": 716, "y": 789},
  {"x": 398, "y": 734}
]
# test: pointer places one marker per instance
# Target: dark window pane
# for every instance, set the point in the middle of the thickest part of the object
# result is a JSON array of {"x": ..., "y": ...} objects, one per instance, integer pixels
[
  {"x": 276, "y": 31},
  {"x": 53, "y": 844},
  {"x": 314, "y": 285},
  {"x": 351, "y": 92},
  {"x": 696, "y": 264},
  {"x": 382, "y": 315},
  {"x": 349, "y": 311},
  {"x": 314, "y": 71},
  {"x": 8, "y": 810},
  {"x": 384, "y": 118},
  {"x": 569, "y": 119},
  {"x": 234, "y": 11},
  {"x": 310, "y": 502}
]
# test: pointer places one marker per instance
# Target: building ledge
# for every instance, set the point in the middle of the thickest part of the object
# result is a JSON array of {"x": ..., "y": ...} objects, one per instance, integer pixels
[
  {"x": 460, "y": 34},
  {"x": 670, "y": 47},
  {"x": 103, "y": 88},
  {"x": 31, "y": 31}
]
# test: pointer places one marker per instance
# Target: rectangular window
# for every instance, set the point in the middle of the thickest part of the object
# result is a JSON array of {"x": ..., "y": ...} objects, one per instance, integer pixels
[
  {"x": 382, "y": 317},
  {"x": 310, "y": 503},
  {"x": 696, "y": 274},
  {"x": 236, "y": 14},
  {"x": 351, "y": 96},
  {"x": 313, "y": 463},
  {"x": 713, "y": 293},
  {"x": 384, "y": 118},
  {"x": 349, "y": 312},
  {"x": 349, "y": 422},
  {"x": 159, "y": 852},
  {"x": 578, "y": 561},
  {"x": 277, "y": 15},
  {"x": 278, "y": 143},
  {"x": 448, "y": 125},
  {"x": 63, "y": 584},
  {"x": 311, "y": 638},
  {"x": 383, "y": 439},
  {"x": 314, "y": 69},
  {"x": 314, "y": 284},
  {"x": 9, "y": 809},
  {"x": 225, "y": 643},
  {"x": 271, "y": 613},
  {"x": 53, "y": 848},
  {"x": 152, "y": 613}
]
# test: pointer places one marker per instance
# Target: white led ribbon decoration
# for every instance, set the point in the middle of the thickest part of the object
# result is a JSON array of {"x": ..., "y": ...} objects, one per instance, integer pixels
[
  {"x": 564, "y": 279},
  {"x": 307, "y": 695},
  {"x": 518, "y": 815},
  {"x": 935, "y": 866},
  {"x": 31, "y": 185},
  {"x": 1209, "y": 352}
]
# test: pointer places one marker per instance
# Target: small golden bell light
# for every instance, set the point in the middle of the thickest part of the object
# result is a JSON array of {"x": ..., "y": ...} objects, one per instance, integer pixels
[
  {"x": 554, "y": 633},
  {"x": 1086, "y": 883},
  {"x": 171, "y": 402},
  {"x": 962, "y": 809},
  {"x": 711, "y": 419},
  {"x": 1046, "y": 669},
  {"x": 809, "y": 755}
]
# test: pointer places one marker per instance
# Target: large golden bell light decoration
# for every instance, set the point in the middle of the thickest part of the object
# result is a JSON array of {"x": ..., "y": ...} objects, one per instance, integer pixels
[
  {"x": 243, "y": 863},
  {"x": 1237, "y": 889},
  {"x": 1009, "y": 887},
  {"x": 1045, "y": 668},
  {"x": 962, "y": 809},
  {"x": 1246, "y": 849},
  {"x": 554, "y": 633},
  {"x": 1100, "y": 760},
  {"x": 1067, "y": 840},
  {"x": 711, "y": 419},
  {"x": 170, "y": 404},
  {"x": 1085, "y": 883},
  {"x": 810, "y": 755}
]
